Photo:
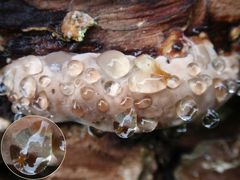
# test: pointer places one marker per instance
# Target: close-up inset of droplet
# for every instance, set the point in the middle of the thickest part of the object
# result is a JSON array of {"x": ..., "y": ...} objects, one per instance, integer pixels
[{"x": 31, "y": 145}]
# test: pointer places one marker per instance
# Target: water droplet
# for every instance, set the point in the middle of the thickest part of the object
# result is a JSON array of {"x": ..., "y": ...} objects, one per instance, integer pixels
[
  {"x": 146, "y": 125},
  {"x": 78, "y": 82},
  {"x": 173, "y": 82},
  {"x": 92, "y": 75},
  {"x": 186, "y": 108},
  {"x": 55, "y": 67},
  {"x": 13, "y": 97},
  {"x": 219, "y": 65},
  {"x": 18, "y": 116},
  {"x": 77, "y": 110},
  {"x": 182, "y": 128},
  {"x": 28, "y": 87},
  {"x": 143, "y": 103},
  {"x": 3, "y": 89},
  {"x": 232, "y": 86},
  {"x": 221, "y": 91},
  {"x": 211, "y": 119},
  {"x": 102, "y": 105},
  {"x": 114, "y": 63},
  {"x": 33, "y": 65},
  {"x": 24, "y": 102},
  {"x": 146, "y": 63},
  {"x": 41, "y": 103},
  {"x": 67, "y": 88},
  {"x": 193, "y": 69},
  {"x": 127, "y": 102},
  {"x": 95, "y": 132},
  {"x": 87, "y": 93},
  {"x": 145, "y": 83},
  {"x": 125, "y": 123},
  {"x": 74, "y": 68},
  {"x": 32, "y": 146},
  {"x": 197, "y": 85},
  {"x": 112, "y": 88},
  {"x": 206, "y": 78},
  {"x": 44, "y": 81}
]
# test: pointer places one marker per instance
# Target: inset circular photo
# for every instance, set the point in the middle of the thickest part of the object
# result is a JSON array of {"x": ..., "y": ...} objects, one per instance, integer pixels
[{"x": 33, "y": 147}]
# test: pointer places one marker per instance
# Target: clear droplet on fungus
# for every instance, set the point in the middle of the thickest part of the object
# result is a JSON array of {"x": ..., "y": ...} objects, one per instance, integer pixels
[
  {"x": 197, "y": 85},
  {"x": 193, "y": 69},
  {"x": 125, "y": 124},
  {"x": 211, "y": 119},
  {"x": 114, "y": 63},
  {"x": 28, "y": 87},
  {"x": 74, "y": 68},
  {"x": 146, "y": 124},
  {"x": 112, "y": 88},
  {"x": 45, "y": 81},
  {"x": 186, "y": 109}
]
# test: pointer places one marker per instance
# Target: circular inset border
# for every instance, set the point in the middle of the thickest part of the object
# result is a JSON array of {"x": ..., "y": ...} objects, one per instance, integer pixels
[{"x": 33, "y": 147}]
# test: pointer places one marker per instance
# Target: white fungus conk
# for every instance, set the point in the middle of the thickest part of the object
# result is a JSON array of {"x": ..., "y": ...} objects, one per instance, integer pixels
[{"x": 117, "y": 92}]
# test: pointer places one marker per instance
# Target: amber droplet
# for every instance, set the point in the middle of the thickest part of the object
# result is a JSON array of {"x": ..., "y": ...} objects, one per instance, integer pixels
[
  {"x": 44, "y": 81},
  {"x": 127, "y": 102},
  {"x": 87, "y": 93},
  {"x": 41, "y": 103},
  {"x": 103, "y": 105},
  {"x": 92, "y": 75},
  {"x": 143, "y": 103},
  {"x": 77, "y": 109}
]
